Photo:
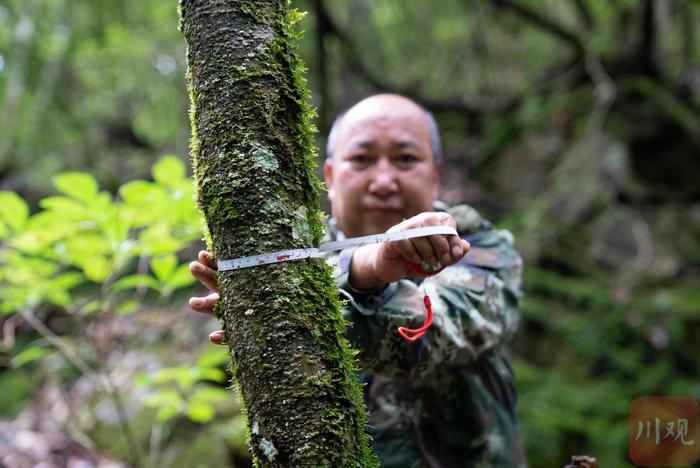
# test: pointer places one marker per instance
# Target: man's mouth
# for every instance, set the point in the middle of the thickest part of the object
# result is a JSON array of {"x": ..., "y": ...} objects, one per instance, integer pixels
[
  {"x": 382, "y": 208},
  {"x": 388, "y": 213}
]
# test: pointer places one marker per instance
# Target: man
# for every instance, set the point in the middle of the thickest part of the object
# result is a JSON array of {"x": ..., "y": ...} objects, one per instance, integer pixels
[{"x": 448, "y": 399}]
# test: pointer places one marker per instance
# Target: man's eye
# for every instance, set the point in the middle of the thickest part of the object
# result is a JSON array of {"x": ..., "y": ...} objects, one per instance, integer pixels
[
  {"x": 406, "y": 159},
  {"x": 360, "y": 159}
]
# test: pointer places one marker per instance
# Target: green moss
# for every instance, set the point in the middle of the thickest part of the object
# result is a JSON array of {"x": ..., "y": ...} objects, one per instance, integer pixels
[{"x": 264, "y": 159}]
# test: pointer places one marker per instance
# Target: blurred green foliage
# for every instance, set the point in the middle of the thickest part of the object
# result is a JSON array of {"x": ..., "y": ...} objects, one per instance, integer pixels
[
  {"x": 91, "y": 259},
  {"x": 85, "y": 236},
  {"x": 573, "y": 123}
]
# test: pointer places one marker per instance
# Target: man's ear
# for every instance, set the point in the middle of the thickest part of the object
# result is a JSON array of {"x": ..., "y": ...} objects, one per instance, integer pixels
[
  {"x": 328, "y": 176},
  {"x": 436, "y": 180}
]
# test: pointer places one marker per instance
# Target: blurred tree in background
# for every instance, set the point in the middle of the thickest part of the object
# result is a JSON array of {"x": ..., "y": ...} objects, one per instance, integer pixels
[{"x": 574, "y": 123}]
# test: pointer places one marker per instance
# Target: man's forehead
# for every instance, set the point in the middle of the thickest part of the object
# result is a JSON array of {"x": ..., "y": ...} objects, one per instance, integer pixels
[
  {"x": 402, "y": 128},
  {"x": 399, "y": 142},
  {"x": 391, "y": 107}
]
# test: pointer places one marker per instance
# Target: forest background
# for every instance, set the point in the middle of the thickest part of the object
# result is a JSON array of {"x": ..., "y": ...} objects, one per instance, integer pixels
[{"x": 575, "y": 124}]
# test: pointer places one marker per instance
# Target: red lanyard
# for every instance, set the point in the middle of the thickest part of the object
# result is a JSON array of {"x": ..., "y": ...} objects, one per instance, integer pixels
[
  {"x": 418, "y": 332},
  {"x": 413, "y": 334}
]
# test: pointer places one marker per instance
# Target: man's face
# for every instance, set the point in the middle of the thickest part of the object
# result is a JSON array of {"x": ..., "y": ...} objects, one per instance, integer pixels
[{"x": 383, "y": 169}]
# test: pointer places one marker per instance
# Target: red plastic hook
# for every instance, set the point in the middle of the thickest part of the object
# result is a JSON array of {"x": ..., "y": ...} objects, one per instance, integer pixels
[{"x": 418, "y": 332}]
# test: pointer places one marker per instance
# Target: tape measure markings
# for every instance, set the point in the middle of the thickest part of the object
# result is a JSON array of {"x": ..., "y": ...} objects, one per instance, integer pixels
[{"x": 313, "y": 252}]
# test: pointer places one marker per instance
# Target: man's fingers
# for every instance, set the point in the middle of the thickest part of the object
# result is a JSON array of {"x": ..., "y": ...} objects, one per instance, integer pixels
[
  {"x": 406, "y": 249},
  {"x": 425, "y": 250},
  {"x": 205, "y": 258},
  {"x": 205, "y": 304},
  {"x": 458, "y": 248},
  {"x": 217, "y": 337},
  {"x": 441, "y": 246},
  {"x": 205, "y": 275}
]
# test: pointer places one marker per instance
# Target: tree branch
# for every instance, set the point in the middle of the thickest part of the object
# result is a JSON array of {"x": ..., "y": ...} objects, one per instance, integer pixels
[
  {"x": 323, "y": 29},
  {"x": 646, "y": 52},
  {"x": 584, "y": 13},
  {"x": 542, "y": 22},
  {"x": 688, "y": 33},
  {"x": 437, "y": 105},
  {"x": 100, "y": 381}
]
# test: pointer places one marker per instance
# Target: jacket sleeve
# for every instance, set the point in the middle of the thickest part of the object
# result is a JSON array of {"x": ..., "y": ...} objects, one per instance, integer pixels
[{"x": 475, "y": 309}]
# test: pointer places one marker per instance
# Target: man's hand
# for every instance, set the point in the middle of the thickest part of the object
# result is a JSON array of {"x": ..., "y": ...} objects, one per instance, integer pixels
[
  {"x": 372, "y": 265},
  {"x": 205, "y": 271},
  {"x": 379, "y": 264}
]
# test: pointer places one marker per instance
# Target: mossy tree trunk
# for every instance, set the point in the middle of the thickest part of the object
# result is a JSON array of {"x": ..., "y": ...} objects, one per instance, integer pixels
[{"x": 254, "y": 162}]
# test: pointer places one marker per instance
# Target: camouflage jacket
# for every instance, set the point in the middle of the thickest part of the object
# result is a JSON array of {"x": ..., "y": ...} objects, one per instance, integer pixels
[{"x": 448, "y": 399}]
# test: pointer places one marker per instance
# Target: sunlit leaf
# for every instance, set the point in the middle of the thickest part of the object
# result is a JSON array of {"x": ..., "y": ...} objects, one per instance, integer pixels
[
  {"x": 67, "y": 207},
  {"x": 127, "y": 307},
  {"x": 78, "y": 185},
  {"x": 157, "y": 239},
  {"x": 138, "y": 193},
  {"x": 169, "y": 171},
  {"x": 35, "y": 242},
  {"x": 167, "y": 401},
  {"x": 91, "y": 307},
  {"x": 213, "y": 374},
  {"x": 14, "y": 211},
  {"x": 185, "y": 377},
  {"x": 180, "y": 278},
  {"x": 210, "y": 394},
  {"x": 59, "y": 297},
  {"x": 29, "y": 355},
  {"x": 162, "y": 397},
  {"x": 213, "y": 357},
  {"x": 133, "y": 282},
  {"x": 67, "y": 280},
  {"x": 97, "y": 269},
  {"x": 167, "y": 412},
  {"x": 84, "y": 246},
  {"x": 200, "y": 411},
  {"x": 163, "y": 265}
]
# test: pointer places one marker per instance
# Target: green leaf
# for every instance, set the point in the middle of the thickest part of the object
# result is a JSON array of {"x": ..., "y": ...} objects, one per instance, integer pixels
[
  {"x": 67, "y": 280},
  {"x": 34, "y": 242},
  {"x": 209, "y": 394},
  {"x": 138, "y": 193},
  {"x": 78, "y": 185},
  {"x": 167, "y": 412},
  {"x": 91, "y": 307},
  {"x": 169, "y": 171},
  {"x": 127, "y": 307},
  {"x": 163, "y": 265},
  {"x": 213, "y": 374},
  {"x": 14, "y": 211},
  {"x": 162, "y": 397},
  {"x": 30, "y": 354},
  {"x": 83, "y": 248},
  {"x": 97, "y": 268},
  {"x": 213, "y": 357},
  {"x": 168, "y": 402},
  {"x": 133, "y": 282},
  {"x": 180, "y": 278},
  {"x": 200, "y": 412},
  {"x": 68, "y": 208},
  {"x": 59, "y": 297},
  {"x": 184, "y": 376},
  {"x": 157, "y": 239}
]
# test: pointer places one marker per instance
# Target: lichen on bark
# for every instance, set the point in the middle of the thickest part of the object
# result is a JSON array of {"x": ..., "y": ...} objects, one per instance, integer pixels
[{"x": 254, "y": 164}]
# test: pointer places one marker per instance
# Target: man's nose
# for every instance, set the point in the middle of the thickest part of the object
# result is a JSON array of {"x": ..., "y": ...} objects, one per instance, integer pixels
[{"x": 383, "y": 182}]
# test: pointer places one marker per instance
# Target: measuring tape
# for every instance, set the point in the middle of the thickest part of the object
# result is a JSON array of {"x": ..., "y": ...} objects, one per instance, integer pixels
[
  {"x": 353, "y": 242},
  {"x": 409, "y": 334}
]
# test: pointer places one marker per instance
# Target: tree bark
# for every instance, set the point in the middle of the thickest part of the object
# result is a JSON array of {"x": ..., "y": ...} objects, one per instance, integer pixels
[{"x": 254, "y": 159}]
